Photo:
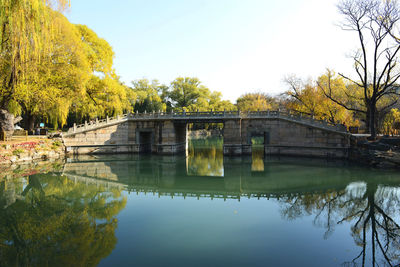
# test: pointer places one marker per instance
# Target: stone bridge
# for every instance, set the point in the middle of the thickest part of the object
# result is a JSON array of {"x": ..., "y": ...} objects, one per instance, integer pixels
[{"x": 284, "y": 133}]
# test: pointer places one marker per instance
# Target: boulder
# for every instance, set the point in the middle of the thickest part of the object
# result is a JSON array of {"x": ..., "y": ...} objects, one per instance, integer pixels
[
  {"x": 379, "y": 146},
  {"x": 390, "y": 141}
]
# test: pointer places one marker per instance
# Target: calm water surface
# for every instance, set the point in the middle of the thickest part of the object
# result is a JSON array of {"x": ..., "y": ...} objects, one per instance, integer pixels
[{"x": 200, "y": 210}]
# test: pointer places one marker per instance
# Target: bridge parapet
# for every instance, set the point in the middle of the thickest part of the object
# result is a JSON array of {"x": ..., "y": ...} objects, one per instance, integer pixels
[{"x": 297, "y": 117}]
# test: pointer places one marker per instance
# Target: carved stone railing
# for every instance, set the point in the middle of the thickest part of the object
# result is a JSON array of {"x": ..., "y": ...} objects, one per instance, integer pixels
[{"x": 296, "y": 117}]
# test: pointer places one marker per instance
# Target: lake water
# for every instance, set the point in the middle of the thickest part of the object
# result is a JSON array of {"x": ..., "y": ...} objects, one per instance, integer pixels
[{"x": 202, "y": 209}]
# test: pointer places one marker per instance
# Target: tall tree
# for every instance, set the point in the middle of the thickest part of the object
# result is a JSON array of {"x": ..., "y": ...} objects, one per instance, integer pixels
[
  {"x": 256, "y": 101},
  {"x": 25, "y": 32},
  {"x": 147, "y": 96},
  {"x": 391, "y": 122},
  {"x": 185, "y": 91},
  {"x": 188, "y": 93},
  {"x": 216, "y": 103},
  {"x": 375, "y": 62},
  {"x": 104, "y": 94},
  {"x": 307, "y": 97},
  {"x": 48, "y": 91}
]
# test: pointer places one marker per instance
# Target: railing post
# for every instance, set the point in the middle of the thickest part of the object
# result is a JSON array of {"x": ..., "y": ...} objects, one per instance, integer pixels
[
  {"x": 74, "y": 127},
  {"x": 107, "y": 119},
  {"x": 97, "y": 120},
  {"x": 86, "y": 125}
]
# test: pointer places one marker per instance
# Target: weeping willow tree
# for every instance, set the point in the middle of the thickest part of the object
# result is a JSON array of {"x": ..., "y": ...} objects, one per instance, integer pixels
[
  {"x": 26, "y": 31},
  {"x": 104, "y": 94},
  {"x": 51, "y": 68},
  {"x": 48, "y": 91}
]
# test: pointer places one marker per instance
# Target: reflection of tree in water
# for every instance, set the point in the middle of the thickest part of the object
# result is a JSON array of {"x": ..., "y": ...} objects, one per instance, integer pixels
[
  {"x": 205, "y": 157},
  {"x": 257, "y": 158},
  {"x": 371, "y": 210},
  {"x": 56, "y": 222}
]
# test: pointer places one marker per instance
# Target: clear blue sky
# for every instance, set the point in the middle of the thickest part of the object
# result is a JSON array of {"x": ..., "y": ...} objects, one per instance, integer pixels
[{"x": 232, "y": 46}]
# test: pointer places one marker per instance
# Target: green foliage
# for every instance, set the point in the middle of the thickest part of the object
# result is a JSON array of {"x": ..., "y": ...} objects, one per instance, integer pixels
[
  {"x": 56, "y": 144},
  {"x": 26, "y": 31},
  {"x": 205, "y": 157},
  {"x": 62, "y": 75},
  {"x": 57, "y": 222},
  {"x": 98, "y": 52},
  {"x": 51, "y": 68},
  {"x": 147, "y": 96},
  {"x": 18, "y": 151},
  {"x": 391, "y": 122},
  {"x": 185, "y": 92},
  {"x": 104, "y": 94},
  {"x": 255, "y": 102},
  {"x": 308, "y": 97},
  {"x": 189, "y": 94},
  {"x": 258, "y": 140}
]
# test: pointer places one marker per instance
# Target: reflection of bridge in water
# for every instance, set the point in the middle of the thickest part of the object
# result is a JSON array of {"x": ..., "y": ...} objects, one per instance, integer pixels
[
  {"x": 170, "y": 192},
  {"x": 167, "y": 176}
]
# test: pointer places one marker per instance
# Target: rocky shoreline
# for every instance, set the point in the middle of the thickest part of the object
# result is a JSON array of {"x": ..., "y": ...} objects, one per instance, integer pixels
[
  {"x": 31, "y": 151},
  {"x": 383, "y": 153}
]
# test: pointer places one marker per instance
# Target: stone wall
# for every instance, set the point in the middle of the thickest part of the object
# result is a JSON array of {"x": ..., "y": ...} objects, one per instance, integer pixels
[
  {"x": 294, "y": 139},
  {"x": 163, "y": 137}
]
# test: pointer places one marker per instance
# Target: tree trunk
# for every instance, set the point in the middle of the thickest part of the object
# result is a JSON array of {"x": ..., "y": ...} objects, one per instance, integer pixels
[
  {"x": 30, "y": 122},
  {"x": 372, "y": 120},
  {"x": 372, "y": 128},
  {"x": 6, "y": 121},
  {"x": 367, "y": 119}
]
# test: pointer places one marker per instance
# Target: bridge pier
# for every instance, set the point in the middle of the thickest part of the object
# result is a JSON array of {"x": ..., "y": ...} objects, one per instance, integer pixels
[
  {"x": 172, "y": 138},
  {"x": 233, "y": 137}
]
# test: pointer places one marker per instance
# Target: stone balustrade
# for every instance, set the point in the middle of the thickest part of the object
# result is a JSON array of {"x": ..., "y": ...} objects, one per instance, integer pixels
[{"x": 298, "y": 117}]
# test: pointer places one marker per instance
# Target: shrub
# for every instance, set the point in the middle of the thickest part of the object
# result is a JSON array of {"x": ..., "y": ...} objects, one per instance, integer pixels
[
  {"x": 57, "y": 143},
  {"x": 18, "y": 151}
]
